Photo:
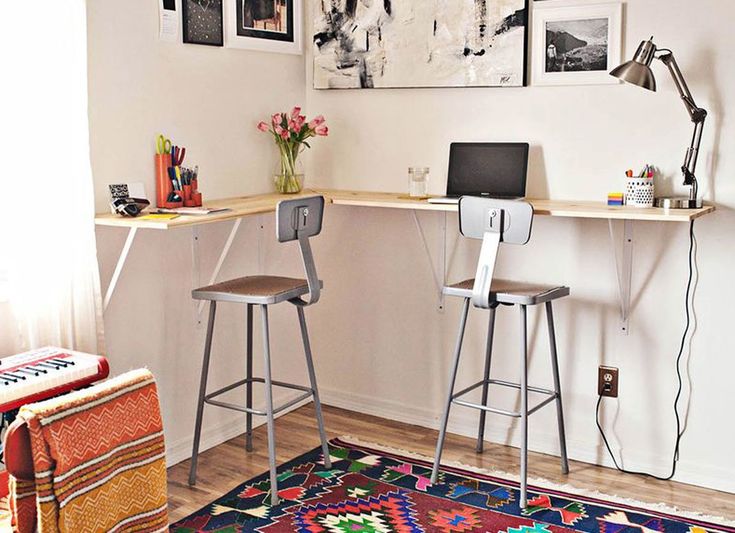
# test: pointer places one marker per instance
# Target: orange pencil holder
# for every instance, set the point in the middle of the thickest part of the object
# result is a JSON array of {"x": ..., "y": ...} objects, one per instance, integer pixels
[
  {"x": 163, "y": 182},
  {"x": 196, "y": 196},
  {"x": 187, "y": 196}
]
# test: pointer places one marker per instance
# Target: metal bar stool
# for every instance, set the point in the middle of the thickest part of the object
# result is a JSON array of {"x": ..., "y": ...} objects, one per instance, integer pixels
[
  {"x": 296, "y": 219},
  {"x": 506, "y": 221}
]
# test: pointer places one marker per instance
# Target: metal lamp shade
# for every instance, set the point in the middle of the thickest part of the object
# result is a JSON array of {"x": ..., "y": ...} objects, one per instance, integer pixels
[{"x": 638, "y": 70}]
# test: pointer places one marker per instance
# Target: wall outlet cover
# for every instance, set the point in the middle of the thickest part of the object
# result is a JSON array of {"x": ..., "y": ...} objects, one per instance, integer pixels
[{"x": 608, "y": 375}]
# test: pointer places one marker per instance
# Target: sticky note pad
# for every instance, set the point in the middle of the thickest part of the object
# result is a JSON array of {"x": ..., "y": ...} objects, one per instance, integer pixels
[{"x": 159, "y": 216}]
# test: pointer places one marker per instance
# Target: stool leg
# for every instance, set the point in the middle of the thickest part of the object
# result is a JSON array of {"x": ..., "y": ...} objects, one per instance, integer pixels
[
  {"x": 557, "y": 389},
  {"x": 524, "y": 406},
  {"x": 249, "y": 349},
  {"x": 314, "y": 390},
  {"x": 269, "y": 406},
  {"x": 202, "y": 393},
  {"x": 450, "y": 393},
  {"x": 488, "y": 357}
]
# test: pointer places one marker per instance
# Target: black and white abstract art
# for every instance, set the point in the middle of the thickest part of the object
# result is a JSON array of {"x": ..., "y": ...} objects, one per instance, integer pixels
[{"x": 419, "y": 43}]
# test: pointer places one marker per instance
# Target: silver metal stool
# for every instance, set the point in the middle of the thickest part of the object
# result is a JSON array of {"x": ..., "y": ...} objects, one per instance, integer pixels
[
  {"x": 296, "y": 219},
  {"x": 506, "y": 221}
]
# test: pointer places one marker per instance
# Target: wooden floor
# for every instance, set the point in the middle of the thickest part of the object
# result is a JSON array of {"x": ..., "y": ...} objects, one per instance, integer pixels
[{"x": 228, "y": 465}]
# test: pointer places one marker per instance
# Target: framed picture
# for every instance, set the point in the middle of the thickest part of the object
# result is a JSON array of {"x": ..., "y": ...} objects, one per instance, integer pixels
[
  {"x": 416, "y": 43},
  {"x": 264, "y": 25},
  {"x": 575, "y": 43},
  {"x": 202, "y": 22}
]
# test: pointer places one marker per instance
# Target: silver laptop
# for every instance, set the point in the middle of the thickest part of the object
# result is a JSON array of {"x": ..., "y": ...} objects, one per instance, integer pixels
[{"x": 496, "y": 170}]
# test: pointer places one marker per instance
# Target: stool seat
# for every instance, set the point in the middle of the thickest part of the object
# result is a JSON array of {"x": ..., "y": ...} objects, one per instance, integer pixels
[
  {"x": 511, "y": 292},
  {"x": 254, "y": 290}
]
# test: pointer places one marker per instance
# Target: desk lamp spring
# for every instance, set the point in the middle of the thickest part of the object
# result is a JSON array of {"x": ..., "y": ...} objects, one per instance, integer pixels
[{"x": 638, "y": 72}]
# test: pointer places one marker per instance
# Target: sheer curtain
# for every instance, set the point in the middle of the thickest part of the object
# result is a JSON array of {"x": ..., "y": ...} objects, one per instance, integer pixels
[{"x": 48, "y": 256}]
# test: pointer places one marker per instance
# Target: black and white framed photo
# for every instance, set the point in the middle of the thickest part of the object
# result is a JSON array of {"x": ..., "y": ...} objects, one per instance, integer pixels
[
  {"x": 264, "y": 25},
  {"x": 202, "y": 22},
  {"x": 575, "y": 43}
]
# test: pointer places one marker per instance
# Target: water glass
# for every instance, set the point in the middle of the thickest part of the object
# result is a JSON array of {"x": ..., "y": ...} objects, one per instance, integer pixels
[{"x": 418, "y": 182}]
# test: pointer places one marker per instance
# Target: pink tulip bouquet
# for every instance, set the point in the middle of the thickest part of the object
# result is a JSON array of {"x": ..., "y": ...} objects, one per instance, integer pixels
[{"x": 291, "y": 132}]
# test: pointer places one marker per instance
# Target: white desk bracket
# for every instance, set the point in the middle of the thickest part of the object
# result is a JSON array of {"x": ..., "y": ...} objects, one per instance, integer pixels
[
  {"x": 119, "y": 267},
  {"x": 218, "y": 267},
  {"x": 440, "y": 274},
  {"x": 624, "y": 271},
  {"x": 261, "y": 244}
]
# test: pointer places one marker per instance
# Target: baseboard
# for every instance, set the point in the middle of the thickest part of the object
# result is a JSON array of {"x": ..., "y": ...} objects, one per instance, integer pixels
[
  {"x": 212, "y": 436},
  {"x": 464, "y": 422}
]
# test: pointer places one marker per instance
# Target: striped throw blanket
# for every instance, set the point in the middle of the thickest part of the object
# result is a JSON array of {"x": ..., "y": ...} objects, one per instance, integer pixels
[{"x": 99, "y": 461}]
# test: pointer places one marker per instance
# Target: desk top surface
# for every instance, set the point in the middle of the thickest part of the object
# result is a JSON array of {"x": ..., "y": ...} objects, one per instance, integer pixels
[{"x": 266, "y": 203}]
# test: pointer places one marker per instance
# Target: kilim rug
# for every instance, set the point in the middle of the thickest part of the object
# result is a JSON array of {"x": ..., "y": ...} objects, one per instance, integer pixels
[{"x": 371, "y": 490}]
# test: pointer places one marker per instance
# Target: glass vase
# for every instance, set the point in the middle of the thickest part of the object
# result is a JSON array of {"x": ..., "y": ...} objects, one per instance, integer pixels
[{"x": 289, "y": 174}]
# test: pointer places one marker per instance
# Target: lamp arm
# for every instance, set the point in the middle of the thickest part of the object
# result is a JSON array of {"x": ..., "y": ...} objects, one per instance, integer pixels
[
  {"x": 697, "y": 115},
  {"x": 669, "y": 60}
]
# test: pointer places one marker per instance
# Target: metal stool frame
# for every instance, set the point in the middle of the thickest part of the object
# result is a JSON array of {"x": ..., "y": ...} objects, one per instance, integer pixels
[
  {"x": 297, "y": 219},
  {"x": 498, "y": 221}
]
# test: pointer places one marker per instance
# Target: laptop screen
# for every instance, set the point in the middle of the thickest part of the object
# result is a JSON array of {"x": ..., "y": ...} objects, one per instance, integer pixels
[{"x": 488, "y": 169}]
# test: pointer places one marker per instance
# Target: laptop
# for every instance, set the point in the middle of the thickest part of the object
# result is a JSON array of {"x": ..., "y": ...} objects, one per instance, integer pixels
[{"x": 495, "y": 170}]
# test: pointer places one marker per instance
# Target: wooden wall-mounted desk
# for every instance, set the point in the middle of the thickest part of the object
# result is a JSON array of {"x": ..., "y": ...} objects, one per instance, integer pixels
[
  {"x": 244, "y": 206},
  {"x": 554, "y": 208}
]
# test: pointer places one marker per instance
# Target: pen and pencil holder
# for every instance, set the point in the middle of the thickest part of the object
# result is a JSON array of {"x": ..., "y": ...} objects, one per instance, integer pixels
[
  {"x": 164, "y": 187},
  {"x": 640, "y": 192},
  {"x": 176, "y": 186},
  {"x": 163, "y": 183},
  {"x": 193, "y": 198},
  {"x": 186, "y": 189}
]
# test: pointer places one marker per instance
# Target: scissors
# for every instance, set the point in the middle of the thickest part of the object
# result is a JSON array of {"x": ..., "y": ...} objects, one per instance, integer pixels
[
  {"x": 163, "y": 145},
  {"x": 177, "y": 155}
]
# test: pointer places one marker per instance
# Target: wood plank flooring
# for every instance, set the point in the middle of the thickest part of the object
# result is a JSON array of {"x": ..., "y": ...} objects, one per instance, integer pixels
[{"x": 228, "y": 465}]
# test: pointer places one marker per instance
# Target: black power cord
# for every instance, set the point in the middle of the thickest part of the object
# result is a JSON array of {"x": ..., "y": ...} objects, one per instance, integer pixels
[{"x": 679, "y": 430}]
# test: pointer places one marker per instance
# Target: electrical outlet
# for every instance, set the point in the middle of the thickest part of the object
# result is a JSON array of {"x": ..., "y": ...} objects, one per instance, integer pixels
[{"x": 607, "y": 381}]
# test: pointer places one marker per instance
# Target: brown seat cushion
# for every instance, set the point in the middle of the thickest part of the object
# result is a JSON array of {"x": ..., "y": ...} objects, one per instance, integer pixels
[
  {"x": 512, "y": 292},
  {"x": 254, "y": 289}
]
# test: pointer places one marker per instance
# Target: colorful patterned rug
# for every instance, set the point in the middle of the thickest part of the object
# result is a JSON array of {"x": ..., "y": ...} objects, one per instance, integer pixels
[{"x": 370, "y": 490}]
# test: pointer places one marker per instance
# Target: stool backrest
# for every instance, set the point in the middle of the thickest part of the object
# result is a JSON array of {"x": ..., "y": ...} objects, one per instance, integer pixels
[
  {"x": 494, "y": 221},
  {"x": 297, "y": 220}
]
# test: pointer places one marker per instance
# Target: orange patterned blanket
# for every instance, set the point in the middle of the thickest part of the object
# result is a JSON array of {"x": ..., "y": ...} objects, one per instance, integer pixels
[{"x": 99, "y": 461}]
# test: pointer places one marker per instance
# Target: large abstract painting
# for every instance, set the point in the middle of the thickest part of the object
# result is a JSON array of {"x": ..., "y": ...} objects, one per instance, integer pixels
[{"x": 420, "y": 43}]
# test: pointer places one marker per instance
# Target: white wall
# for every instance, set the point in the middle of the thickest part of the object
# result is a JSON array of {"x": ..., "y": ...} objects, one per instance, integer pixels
[
  {"x": 583, "y": 139},
  {"x": 209, "y": 100},
  {"x": 381, "y": 344}
]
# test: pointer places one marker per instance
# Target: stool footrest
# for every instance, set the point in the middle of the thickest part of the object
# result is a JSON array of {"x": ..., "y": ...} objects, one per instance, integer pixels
[
  {"x": 242, "y": 409},
  {"x": 308, "y": 392},
  {"x": 515, "y": 414}
]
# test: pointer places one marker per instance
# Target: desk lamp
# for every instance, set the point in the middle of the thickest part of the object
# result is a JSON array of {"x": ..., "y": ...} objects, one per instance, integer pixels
[{"x": 638, "y": 72}]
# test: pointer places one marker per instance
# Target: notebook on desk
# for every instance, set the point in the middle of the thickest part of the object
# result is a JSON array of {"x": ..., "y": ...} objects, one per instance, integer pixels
[{"x": 495, "y": 170}]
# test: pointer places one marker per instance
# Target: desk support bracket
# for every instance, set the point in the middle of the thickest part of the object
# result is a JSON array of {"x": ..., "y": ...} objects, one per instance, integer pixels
[
  {"x": 624, "y": 271},
  {"x": 222, "y": 257},
  {"x": 440, "y": 275},
  {"x": 119, "y": 267}
]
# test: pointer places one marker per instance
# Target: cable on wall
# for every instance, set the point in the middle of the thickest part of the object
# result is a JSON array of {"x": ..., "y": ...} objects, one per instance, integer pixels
[{"x": 679, "y": 429}]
